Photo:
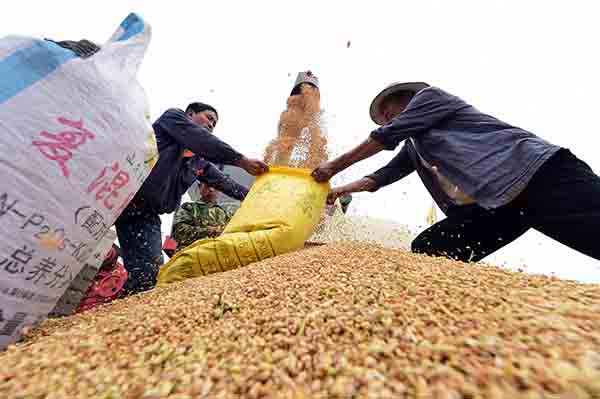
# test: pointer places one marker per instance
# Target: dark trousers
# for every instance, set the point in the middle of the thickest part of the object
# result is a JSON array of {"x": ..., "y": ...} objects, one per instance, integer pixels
[
  {"x": 140, "y": 238},
  {"x": 562, "y": 201}
]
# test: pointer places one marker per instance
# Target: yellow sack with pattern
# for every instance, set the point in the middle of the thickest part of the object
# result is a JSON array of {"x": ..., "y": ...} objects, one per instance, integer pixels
[{"x": 278, "y": 215}]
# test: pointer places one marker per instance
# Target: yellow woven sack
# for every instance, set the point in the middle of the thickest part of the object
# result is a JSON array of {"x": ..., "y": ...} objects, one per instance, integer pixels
[{"x": 279, "y": 214}]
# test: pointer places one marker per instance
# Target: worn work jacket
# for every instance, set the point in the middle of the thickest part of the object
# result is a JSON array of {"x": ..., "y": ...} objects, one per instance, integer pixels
[
  {"x": 174, "y": 173},
  {"x": 460, "y": 153}
]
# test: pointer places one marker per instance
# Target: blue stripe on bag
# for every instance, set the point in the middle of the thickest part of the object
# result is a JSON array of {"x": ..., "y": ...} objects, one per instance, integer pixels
[
  {"x": 132, "y": 25},
  {"x": 27, "y": 66}
]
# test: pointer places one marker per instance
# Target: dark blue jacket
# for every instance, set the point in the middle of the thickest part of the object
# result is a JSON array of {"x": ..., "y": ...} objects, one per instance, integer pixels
[
  {"x": 487, "y": 159},
  {"x": 173, "y": 174}
]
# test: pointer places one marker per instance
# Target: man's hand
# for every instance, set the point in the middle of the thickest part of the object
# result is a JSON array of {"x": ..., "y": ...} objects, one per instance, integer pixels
[
  {"x": 335, "y": 193},
  {"x": 330, "y": 209},
  {"x": 325, "y": 171},
  {"x": 360, "y": 185},
  {"x": 255, "y": 167},
  {"x": 366, "y": 149}
]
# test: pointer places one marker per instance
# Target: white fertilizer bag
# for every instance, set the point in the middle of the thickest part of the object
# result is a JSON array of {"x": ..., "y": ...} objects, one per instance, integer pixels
[{"x": 76, "y": 143}]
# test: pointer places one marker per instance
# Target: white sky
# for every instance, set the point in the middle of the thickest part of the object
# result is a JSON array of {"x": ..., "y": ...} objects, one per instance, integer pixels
[{"x": 534, "y": 65}]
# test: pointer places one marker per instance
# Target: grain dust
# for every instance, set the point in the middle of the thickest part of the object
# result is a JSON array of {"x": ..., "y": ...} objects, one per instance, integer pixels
[{"x": 340, "y": 228}]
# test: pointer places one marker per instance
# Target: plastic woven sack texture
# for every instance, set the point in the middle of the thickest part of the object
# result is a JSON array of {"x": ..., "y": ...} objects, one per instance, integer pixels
[{"x": 76, "y": 145}]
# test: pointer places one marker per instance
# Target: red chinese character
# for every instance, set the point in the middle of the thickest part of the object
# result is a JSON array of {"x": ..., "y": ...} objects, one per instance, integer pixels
[
  {"x": 59, "y": 147},
  {"x": 105, "y": 189},
  {"x": 98, "y": 180}
]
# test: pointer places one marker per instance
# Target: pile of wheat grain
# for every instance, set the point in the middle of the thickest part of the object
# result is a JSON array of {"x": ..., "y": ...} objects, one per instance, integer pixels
[{"x": 337, "y": 321}]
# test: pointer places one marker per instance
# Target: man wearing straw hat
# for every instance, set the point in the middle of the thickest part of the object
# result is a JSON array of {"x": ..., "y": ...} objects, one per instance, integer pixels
[{"x": 494, "y": 181}]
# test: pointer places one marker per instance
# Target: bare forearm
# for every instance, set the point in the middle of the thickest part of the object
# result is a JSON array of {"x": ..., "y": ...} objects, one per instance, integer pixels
[
  {"x": 364, "y": 184},
  {"x": 360, "y": 185},
  {"x": 364, "y": 150}
]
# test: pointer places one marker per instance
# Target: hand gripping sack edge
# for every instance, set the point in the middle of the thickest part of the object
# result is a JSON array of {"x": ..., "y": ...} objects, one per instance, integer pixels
[{"x": 76, "y": 144}]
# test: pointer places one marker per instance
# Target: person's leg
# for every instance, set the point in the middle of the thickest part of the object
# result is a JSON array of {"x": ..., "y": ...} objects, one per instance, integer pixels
[
  {"x": 140, "y": 240},
  {"x": 471, "y": 233},
  {"x": 563, "y": 202}
]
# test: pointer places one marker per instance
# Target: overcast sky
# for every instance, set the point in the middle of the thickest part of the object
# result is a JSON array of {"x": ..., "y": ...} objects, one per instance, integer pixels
[{"x": 534, "y": 64}]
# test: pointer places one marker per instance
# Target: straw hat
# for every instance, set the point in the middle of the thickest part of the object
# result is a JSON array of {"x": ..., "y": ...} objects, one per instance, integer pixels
[{"x": 411, "y": 87}]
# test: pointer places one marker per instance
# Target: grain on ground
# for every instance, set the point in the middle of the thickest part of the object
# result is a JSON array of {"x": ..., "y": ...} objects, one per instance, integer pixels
[{"x": 346, "y": 320}]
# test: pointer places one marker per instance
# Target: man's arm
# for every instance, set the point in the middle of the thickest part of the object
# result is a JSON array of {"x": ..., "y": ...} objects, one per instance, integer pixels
[
  {"x": 197, "y": 139},
  {"x": 212, "y": 176},
  {"x": 425, "y": 110},
  {"x": 399, "y": 167},
  {"x": 364, "y": 150}
]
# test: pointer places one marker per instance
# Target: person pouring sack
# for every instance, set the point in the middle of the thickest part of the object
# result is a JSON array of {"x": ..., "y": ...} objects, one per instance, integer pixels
[
  {"x": 177, "y": 134},
  {"x": 494, "y": 181}
]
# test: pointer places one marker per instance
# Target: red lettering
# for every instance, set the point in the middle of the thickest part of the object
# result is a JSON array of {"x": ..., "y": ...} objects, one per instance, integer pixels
[
  {"x": 106, "y": 189},
  {"x": 59, "y": 147}
]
